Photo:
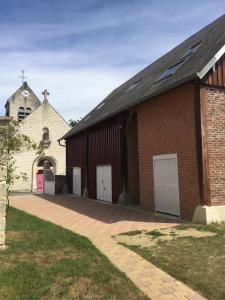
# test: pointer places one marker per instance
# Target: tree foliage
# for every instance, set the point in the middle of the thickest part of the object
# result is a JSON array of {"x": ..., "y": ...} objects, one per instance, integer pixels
[
  {"x": 12, "y": 142},
  {"x": 72, "y": 123}
]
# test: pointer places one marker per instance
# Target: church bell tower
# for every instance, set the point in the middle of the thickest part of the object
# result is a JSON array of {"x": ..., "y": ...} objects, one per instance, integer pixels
[{"x": 22, "y": 102}]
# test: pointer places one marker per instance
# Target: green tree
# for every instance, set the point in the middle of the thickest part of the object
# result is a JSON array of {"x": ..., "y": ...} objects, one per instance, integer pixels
[
  {"x": 13, "y": 142},
  {"x": 72, "y": 123}
]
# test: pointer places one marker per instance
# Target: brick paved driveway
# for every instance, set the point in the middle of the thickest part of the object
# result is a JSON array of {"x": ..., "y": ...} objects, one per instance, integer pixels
[{"x": 99, "y": 222}]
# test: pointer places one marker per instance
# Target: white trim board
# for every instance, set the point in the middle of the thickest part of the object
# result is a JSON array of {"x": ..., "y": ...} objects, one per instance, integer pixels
[{"x": 211, "y": 63}]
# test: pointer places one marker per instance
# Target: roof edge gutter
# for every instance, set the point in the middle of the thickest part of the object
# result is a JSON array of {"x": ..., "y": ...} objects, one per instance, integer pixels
[{"x": 211, "y": 63}]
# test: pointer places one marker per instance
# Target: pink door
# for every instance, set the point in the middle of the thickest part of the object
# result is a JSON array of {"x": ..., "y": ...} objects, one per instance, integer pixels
[{"x": 39, "y": 181}]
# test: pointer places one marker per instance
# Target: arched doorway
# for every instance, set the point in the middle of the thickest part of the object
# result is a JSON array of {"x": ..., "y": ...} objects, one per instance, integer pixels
[{"x": 40, "y": 164}]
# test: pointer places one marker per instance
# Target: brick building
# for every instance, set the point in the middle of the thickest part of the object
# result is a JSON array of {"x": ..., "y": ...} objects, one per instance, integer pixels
[
  {"x": 158, "y": 140},
  {"x": 43, "y": 125}
]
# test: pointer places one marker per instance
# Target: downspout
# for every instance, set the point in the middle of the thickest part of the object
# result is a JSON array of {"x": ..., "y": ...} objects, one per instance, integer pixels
[
  {"x": 123, "y": 196},
  {"x": 206, "y": 193},
  {"x": 198, "y": 134},
  {"x": 61, "y": 144},
  {"x": 85, "y": 192},
  {"x": 124, "y": 158},
  {"x": 125, "y": 150},
  {"x": 66, "y": 186}
]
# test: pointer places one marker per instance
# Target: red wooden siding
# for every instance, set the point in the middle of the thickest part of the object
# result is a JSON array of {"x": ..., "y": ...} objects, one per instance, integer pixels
[
  {"x": 216, "y": 77},
  {"x": 102, "y": 143},
  {"x": 76, "y": 157}
]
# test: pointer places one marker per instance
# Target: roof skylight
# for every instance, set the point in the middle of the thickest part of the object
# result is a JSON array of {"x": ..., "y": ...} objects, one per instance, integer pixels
[
  {"x": 133, "y": 85},
  {"x": 100, "y": 105},
  {"x": 86, "y": 118},
  {"x": 191, "y": 50},
  {"x": 170, "y": 71}
]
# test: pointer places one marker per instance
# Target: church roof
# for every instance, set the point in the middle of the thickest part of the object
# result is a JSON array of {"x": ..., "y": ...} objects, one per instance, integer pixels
[
  {"x": 21, "y": 88},
  {"x": 190, "y": 60},
  {"x": 43, "y": 105}
]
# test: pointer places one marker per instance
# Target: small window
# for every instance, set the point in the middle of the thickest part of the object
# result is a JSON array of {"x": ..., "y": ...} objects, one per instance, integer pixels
[
  {"x": 21, "y": 108},
  {"x": 45, "y": 135},
  {"x": 45, "y": 138},
  {"x": 28, "y": 111},
  {"x": 21, "y": 113},
  {"x": 169, "y": 72},
  {"x": 45, "y": 163},
  {"x": 133, "y": 85}
]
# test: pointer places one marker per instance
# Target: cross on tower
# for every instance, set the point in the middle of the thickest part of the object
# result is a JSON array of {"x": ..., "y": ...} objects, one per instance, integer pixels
[
  {"x": 22, "y": 76},
  {"x": 45, "y": 93}
]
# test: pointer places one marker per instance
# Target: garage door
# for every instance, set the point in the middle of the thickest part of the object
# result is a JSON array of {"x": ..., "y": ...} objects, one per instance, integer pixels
[
  {"x": 104, "y": 183},
  {"x": 166, "y": 187},
  {"x": 77, "y": 181}
]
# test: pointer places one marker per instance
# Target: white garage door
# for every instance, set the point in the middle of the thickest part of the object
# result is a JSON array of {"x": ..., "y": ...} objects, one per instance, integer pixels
[
  {"x": 104, "y": 183},
  {"x": 166, "y": 186},
  {"x": 77, "y": 181}
]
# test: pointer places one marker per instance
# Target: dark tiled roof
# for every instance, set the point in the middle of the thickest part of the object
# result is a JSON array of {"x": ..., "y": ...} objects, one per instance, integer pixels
[{"x": 212, "y": 39}]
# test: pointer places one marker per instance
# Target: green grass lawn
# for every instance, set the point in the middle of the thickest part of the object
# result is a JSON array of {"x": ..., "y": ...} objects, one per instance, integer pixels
[
  {"x": 45, "y": 261},
  {"x": 198, "y": 262}
]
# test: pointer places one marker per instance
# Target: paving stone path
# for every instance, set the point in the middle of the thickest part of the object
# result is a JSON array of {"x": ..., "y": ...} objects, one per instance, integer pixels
[{"x": 99, "y": 222}]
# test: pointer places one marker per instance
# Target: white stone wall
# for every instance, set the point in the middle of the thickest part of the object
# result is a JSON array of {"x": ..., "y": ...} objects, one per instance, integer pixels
[
  {"x": 44, "y": 116},
  {"x": 2, "y": 206}
]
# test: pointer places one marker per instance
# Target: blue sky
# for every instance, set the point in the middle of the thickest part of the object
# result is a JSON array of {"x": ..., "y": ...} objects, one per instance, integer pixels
[{"x": 82, "y": 49}]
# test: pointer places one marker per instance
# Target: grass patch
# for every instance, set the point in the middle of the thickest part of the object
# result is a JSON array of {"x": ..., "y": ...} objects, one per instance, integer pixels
[
  {"x": 44, "y": 261},
  {"x": 213, "y": 227},
  {"x": 198, "y": 262},
  {"x": 131, "y": 233},
  {"x": 155, "y": 233}
]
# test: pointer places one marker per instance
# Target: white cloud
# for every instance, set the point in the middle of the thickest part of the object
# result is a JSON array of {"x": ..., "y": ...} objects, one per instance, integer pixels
[
  {"x": 82, "y": 59},
  {"x": 72, "y": 92}
]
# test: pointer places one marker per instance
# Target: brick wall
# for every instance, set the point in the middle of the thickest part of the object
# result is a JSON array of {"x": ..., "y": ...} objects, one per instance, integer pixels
[
  {"x": 2, "y": 206},
  {"x": 213, "y": 112},
  {"x": 166, "y": 125}
]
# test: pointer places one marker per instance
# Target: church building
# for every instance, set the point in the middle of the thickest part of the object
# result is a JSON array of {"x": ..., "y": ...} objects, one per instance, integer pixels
[{"x": 44, "y": 126}]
